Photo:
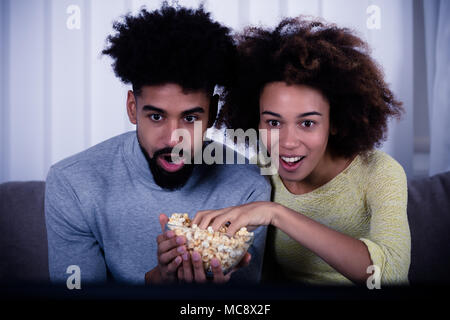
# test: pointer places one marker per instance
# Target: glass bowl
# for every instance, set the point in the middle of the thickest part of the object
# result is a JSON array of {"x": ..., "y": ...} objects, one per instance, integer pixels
[{"x": 214, "y": 244}]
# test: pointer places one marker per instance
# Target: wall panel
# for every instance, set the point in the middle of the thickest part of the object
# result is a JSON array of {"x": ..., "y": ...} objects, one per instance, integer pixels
[
  {"x": 108, "y": 94},
  {"x": 26, "y": 90},
  {"x": 393, "y": 49},
  {"x": 304, "y": 7},
  {"x": 69, "y": 128},
  {"x": 4, "y": 90}
]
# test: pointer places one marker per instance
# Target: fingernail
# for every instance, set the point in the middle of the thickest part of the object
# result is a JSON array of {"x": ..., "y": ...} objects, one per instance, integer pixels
[
  {"x": 215, "y": 263},
  {"x": 185, "y": 256},
  {"x": 180, "y": 240},
  {"x": 170, "y": 234},
  {"x": 180, "y": 249},
  {"x": 195, "y": 256},
  {"x": 178, "y": 259}
]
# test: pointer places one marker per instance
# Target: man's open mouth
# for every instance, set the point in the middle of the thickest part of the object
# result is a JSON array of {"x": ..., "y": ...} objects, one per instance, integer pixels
[{"x": 170, "y": 163}]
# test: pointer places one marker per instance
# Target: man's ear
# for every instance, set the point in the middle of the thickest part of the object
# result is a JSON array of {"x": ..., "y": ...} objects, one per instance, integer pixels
[
  {"x": 213, "y": 106},
  {"x": 131, "y": 107}
]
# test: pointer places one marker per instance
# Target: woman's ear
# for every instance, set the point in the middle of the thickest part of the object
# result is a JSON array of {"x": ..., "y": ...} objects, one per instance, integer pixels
[
  {"x": 213, "y": 107},
  {"x": 131, "y": 107}
]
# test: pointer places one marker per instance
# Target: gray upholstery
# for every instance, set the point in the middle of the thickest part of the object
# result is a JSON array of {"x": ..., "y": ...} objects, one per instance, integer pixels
[
  {"x": 429, "y": 221},
  {"x": 23, "y": 236}
]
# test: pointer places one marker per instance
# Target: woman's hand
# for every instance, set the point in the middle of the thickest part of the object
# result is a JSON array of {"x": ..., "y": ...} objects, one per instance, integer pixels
[{"x": 250, "y": 215}]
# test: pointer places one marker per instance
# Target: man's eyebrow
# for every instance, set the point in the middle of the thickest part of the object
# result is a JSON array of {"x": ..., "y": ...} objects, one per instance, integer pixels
[
  {"x": 193, "y": 110},
  {"x": 152, "y": 108},
  {"x": 312, "y": 113}
]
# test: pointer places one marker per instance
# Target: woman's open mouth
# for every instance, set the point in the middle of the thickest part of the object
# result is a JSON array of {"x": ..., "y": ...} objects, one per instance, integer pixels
[
  {"x": 165, "y": 161},
  {"x": 291, "y": 163}
]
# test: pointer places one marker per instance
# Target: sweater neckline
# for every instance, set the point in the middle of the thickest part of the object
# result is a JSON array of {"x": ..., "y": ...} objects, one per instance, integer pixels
[{"x": 341, "y": 175}]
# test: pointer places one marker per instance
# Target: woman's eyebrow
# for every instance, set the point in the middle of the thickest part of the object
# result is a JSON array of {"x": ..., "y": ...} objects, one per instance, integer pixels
[
  {"x": 271, "y": 113},
  {"x": 312, "y": 113},
  {"x": 306, "y": 114}
]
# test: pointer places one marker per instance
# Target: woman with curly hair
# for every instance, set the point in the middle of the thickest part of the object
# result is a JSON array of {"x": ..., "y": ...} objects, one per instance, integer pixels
[{"x": 339, "y": 204}]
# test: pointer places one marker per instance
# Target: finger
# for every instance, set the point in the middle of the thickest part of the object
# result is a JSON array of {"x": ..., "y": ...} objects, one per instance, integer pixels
[
  {"x": 173, "y": 266},
  {"x": 236, "y": 223},
  {"x": 200, "y": 217},
  {"x": 163, "y": 219},
  {"x": 225, "y": 218},
  {"x": 171, "y": 243},
  {"x": 166, "y": 257},
  {"x": 234, "y": 219},
  {"x": 217, "y": 271},
  {"x": 197, "y": 264},
  {"x": 187, "y": 268},
  {"x": 210, "y": 216},
  {"x": 165, "y": 236},
  {"x": 180, "y": 275},
  {"x": 245, "y": 261}
]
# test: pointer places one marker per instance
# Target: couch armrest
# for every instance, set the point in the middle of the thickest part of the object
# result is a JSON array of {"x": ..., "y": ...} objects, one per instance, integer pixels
[{"x": 23, "y": 236}]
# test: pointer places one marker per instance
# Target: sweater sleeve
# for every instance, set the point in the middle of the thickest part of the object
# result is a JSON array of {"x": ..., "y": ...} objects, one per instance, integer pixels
[
  {"x": 70, "y": 240},
  {"x": 389, "y": 240},
  {"x": 252, "y": 273}
]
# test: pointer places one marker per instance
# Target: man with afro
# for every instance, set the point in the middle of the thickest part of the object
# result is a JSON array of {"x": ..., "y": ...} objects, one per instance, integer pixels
[{"x": 104, "y": 205}]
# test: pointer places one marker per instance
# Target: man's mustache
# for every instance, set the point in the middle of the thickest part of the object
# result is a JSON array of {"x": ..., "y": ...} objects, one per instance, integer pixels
[{"x": 167, "y": 150}]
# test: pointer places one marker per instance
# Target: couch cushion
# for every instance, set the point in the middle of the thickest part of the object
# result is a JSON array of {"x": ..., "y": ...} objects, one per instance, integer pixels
[
  {"x": 429, "y": 222},
  {"x": 23, "y": 236}
]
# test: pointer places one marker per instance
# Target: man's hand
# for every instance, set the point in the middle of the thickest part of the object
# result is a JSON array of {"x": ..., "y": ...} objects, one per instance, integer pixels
[
  {"x": 170, "y": 249},
  {"x": 192, "y": 269}
]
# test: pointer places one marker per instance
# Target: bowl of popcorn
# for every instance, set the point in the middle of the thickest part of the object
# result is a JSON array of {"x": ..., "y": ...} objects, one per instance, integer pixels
[{"x": 212, "y": 244}]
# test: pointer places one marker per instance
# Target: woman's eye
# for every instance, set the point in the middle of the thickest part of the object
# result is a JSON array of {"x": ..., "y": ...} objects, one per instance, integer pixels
[
  {"x": 156, "y": 117},
  {"x": 308, "y": 123},
  {"x": 190, "y": 119},
  {"x": 273, "y": 123}
]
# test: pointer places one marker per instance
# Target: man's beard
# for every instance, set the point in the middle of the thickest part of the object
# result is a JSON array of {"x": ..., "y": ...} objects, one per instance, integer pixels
[{"x": 164, "y": 179}]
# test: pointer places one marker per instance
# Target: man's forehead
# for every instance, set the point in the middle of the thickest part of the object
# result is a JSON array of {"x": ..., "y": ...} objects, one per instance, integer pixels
[{"x": 171, "y": 99}]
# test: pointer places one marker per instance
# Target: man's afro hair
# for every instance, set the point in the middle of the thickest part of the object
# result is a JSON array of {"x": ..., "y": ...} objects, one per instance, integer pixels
[{"x": 172, "y": 45}]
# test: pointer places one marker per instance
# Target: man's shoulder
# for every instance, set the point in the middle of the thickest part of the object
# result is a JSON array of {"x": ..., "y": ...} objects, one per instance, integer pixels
[{"x": 97, "y": 159}]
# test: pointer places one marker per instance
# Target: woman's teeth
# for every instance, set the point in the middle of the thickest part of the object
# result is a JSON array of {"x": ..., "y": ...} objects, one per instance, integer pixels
[{"x": 292, "y": 159}]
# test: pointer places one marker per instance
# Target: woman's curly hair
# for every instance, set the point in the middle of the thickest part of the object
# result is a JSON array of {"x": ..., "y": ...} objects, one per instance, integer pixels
[
  {"x": 325, "y": 57},
  {"x": 172, "y": 45}
]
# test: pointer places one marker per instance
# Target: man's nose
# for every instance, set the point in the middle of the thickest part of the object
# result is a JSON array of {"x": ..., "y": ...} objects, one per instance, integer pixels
[{"x": 169, "y": 131}]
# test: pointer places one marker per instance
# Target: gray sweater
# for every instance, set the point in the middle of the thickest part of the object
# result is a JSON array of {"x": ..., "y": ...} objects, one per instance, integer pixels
[{"x": 102, "y": 207}]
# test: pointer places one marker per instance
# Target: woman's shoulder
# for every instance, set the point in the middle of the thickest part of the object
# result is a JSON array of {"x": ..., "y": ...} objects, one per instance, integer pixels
[{"x": 377, "y": 164}]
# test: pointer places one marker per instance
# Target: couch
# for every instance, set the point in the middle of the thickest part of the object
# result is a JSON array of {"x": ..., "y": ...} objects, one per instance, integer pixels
[{"x": 23, "y": 240}]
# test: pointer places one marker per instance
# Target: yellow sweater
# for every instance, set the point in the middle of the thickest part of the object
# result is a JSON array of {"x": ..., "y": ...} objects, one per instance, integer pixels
[{"x": 366, "y": 201}]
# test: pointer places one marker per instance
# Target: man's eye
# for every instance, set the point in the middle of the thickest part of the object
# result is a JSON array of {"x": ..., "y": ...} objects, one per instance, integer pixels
[
  {"x": 273, "y": 123},
  {"x": 190, "y": 119},
  {"x": 308, "y": 123},
  {"x": 156, "y": 117}
]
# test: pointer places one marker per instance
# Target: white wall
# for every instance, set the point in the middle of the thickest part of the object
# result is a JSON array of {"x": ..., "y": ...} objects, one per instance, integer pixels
[{"x": 59, "y": 96}]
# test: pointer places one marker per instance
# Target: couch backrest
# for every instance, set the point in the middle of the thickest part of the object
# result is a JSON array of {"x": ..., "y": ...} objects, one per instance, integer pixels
[
  {"x": 23, "y": 236},
  {"x": 429, "y": 222}
]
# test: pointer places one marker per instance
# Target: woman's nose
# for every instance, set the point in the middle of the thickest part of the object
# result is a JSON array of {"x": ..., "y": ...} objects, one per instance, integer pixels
[{"x": 289, "y": 139}]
